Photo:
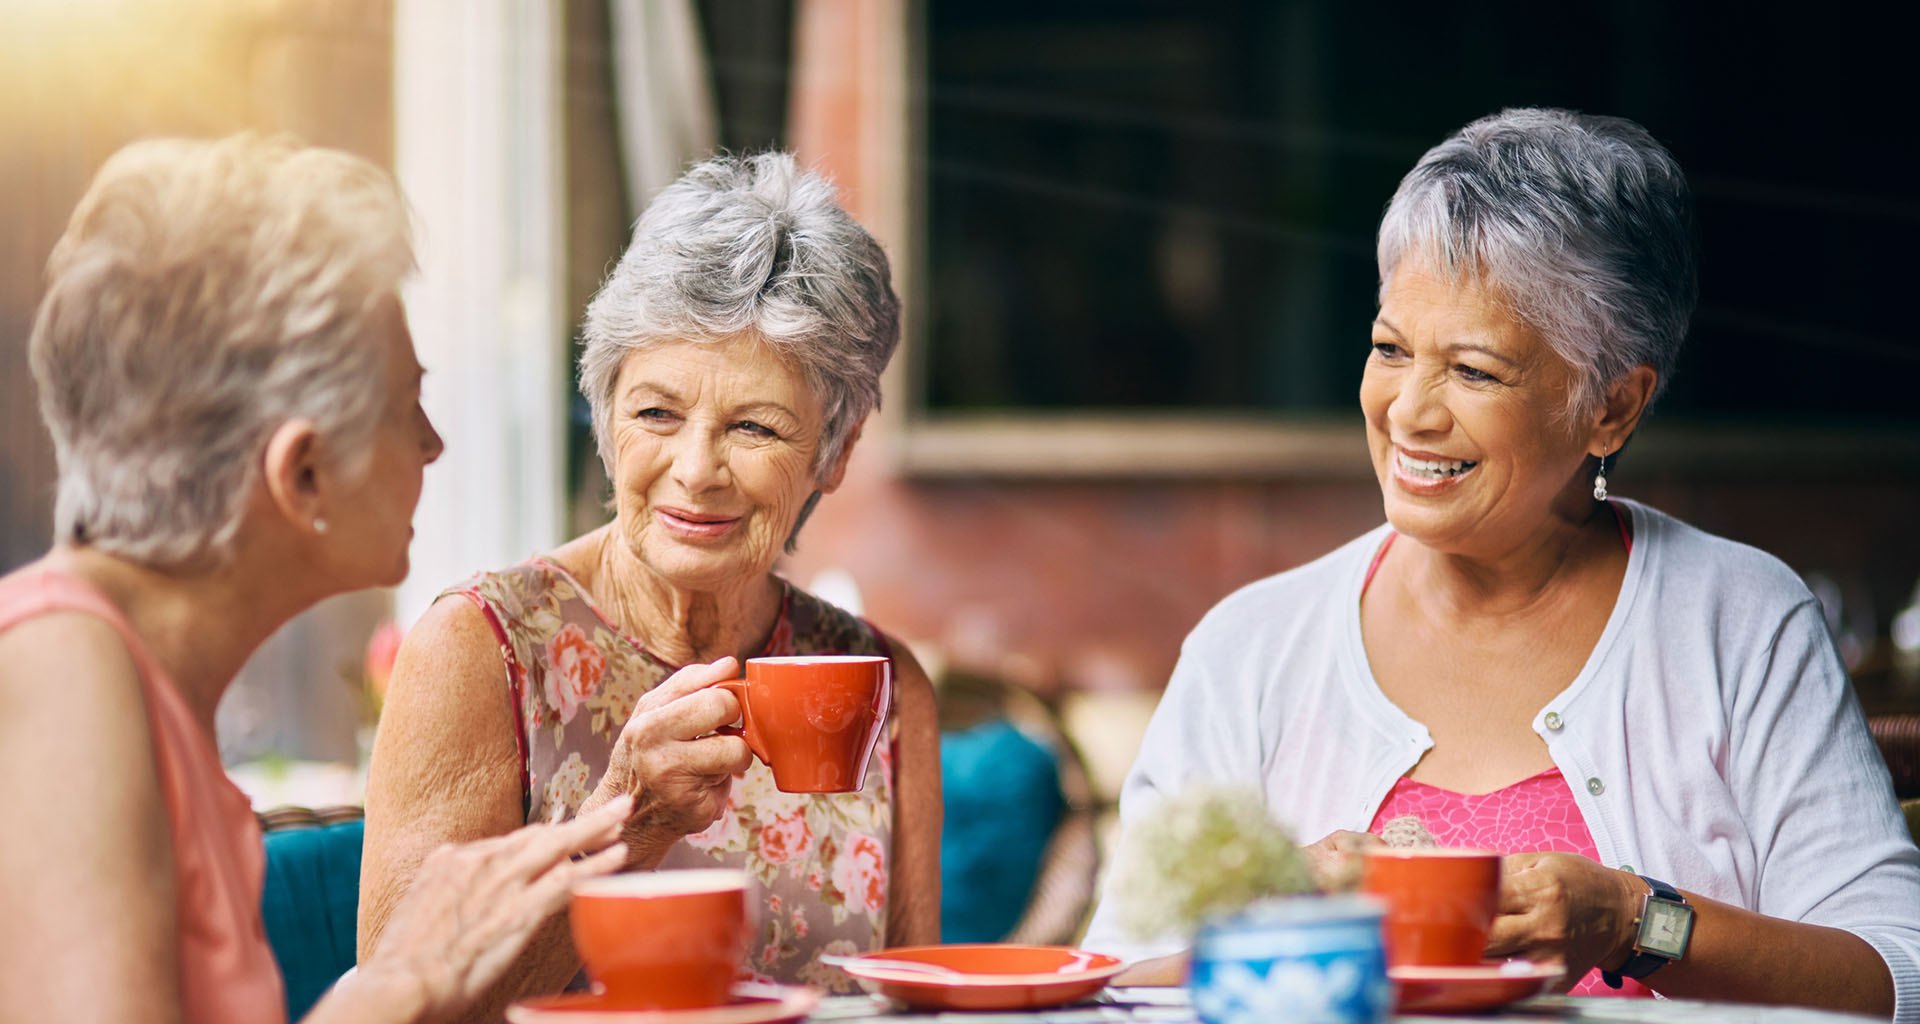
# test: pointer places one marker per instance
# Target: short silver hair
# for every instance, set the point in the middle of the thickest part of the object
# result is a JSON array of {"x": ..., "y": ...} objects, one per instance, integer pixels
[
  {"x": 204, "y": 293},
  {"x": 753, "y": 246},
  {"x": 1582, "y": 224}
]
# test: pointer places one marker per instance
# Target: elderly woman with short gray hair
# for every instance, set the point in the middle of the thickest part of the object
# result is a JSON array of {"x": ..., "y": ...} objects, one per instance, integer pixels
[
  {"x": 730, "y": 360},
  {"x": 1649, "y": 721},
  {"x": 224, "y": 366}
]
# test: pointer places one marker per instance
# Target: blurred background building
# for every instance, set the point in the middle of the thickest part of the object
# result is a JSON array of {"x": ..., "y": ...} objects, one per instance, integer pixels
[{"x": 1135, "y": 243}]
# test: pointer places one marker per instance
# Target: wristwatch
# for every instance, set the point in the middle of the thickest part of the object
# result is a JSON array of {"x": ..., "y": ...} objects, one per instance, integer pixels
[{"x": 1663, "y": 928}]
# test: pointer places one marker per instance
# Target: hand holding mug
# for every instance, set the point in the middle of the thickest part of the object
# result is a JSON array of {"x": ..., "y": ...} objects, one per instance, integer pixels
[
  {"x": 1562, "y": 906},
  {"x": 671, "y": 756},
  {"x": 1336, "y": 860}
]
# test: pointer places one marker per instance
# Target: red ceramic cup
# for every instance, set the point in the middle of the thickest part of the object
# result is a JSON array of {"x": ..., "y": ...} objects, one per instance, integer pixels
[
  {"x": 814, "y": 719},
  {"x": 662, "y": 940},
  {"x": 1440, "y": 903}
]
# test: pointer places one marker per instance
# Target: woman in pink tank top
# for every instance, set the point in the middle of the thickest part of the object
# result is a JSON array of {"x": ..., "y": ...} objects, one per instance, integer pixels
[{"x": 232, "y": 393}]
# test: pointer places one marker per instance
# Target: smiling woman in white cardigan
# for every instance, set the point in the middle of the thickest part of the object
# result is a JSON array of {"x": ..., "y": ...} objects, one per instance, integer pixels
[{"x": 1637, "y": 713}]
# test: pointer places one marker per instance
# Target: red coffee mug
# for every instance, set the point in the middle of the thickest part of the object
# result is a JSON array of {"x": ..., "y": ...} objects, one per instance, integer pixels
[
  {"x": 1440, "y": 903},
  {"x": 814, "y": 719},
  {"x": 662, "y": 940}
]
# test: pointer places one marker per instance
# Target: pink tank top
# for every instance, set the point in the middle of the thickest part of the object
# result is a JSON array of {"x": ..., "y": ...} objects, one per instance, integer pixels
[
  {"x": 227, "y": 971},
  {"x": 1536, "y": 814}
]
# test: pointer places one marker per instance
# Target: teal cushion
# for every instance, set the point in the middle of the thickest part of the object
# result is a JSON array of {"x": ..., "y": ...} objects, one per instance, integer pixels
[
  {"x": 310, "y": 904},
  {"x": 1002, "y": 798}
]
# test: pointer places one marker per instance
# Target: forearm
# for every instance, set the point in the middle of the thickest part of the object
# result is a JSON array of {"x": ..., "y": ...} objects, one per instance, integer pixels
[
  {"x": 1742, "y": 956},
  {"x": 371, "y": 996},
  {"x": 1163, "y": 970}
]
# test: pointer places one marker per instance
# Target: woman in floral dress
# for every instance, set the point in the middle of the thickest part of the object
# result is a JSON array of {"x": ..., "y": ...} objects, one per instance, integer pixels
[{"x": 730, "y": 360}]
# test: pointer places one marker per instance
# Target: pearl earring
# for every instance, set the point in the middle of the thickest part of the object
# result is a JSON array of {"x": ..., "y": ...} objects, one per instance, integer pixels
[
  {"x": 1600, "y": 481},
  {"x": 319, "y": 525}
]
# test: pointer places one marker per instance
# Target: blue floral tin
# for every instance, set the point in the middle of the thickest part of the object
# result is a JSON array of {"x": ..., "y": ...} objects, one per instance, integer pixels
[{"x": 1301, "y": 959}]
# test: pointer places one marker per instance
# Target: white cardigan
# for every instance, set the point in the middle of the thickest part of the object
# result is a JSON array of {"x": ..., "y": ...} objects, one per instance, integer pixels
[{"x": 1712, "y": 739}]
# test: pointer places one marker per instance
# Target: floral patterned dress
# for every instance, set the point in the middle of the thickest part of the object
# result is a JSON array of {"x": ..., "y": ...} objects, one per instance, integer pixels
[{"x": 574, "y": 679}]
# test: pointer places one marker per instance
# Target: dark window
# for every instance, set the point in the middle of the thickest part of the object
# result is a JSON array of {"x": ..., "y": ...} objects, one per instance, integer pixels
[{"x": 1171, "y": 203}]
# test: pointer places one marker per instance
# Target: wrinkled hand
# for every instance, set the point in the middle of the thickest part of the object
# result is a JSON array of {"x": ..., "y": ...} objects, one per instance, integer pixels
[
  {"x": 669, "y": 759},
  {"x": 473, "y": 907},
  {"x": 1561, "y": 906},
  {"x": 1337, "y": 858}
]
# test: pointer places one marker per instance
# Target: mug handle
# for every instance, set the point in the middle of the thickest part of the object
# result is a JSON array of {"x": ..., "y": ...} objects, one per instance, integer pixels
[{"x": 738, "y": 687}]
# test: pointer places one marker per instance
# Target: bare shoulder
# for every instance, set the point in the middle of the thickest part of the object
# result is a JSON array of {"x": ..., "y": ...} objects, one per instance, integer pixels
[
  {"x": 92, "y": 895},
  {"x": 906, "y": 668},
  {"x": 911, "y": 685},
  {"x": 67, "y": 667},
  {"x": 449, "y": 697}
]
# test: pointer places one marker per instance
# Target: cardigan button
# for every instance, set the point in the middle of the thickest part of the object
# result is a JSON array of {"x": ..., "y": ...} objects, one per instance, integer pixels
[
  {"x": 1595, "y": 786},
  {"x": 1554, "y": 721}
]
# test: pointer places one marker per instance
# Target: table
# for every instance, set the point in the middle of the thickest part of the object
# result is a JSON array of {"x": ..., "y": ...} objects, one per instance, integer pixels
[{"x": 1168, "y": 1006}]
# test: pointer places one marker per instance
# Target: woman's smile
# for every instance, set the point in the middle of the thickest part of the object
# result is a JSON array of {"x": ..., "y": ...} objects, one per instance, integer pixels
[
  {"x": 690, "y": 525},
  {"x": 1425, "y": 473}
]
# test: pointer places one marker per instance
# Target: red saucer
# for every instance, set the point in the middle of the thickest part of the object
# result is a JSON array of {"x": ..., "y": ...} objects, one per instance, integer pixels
[
  {"x": 985, "y": 976},
  {"x": 751, "y": 1004},
  {"x": 1468, "y": 989}
]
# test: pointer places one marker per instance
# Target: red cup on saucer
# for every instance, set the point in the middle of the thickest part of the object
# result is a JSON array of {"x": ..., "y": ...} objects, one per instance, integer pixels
[
  {"x": 661, "y": 940},
  {"x": 1440, "y": 903}
]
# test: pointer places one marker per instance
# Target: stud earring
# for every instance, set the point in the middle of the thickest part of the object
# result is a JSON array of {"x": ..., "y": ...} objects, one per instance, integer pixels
[
  {"x": 319, "y": 525},
  {"x": 1600, "y": 481}
]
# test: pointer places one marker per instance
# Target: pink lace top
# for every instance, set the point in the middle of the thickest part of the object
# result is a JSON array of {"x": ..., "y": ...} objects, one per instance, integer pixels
[
  {"x": 1536, "y": 814},
  {"x": 574, "y": 678}
]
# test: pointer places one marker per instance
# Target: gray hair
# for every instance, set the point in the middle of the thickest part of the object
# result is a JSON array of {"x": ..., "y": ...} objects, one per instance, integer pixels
[
  {"x": 1581, "y": 224},
  {"x": 205, "y": 293},
  {"x": 750, "y": 246}
]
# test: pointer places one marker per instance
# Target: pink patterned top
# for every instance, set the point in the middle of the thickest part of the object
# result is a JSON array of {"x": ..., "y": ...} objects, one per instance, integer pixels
[
  {"x": 574, "y": 678},
  {"x": 1535, "y": 814}
]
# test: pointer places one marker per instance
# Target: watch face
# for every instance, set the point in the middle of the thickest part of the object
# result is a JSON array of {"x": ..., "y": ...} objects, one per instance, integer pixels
[{"x": 1665, "y": 928}]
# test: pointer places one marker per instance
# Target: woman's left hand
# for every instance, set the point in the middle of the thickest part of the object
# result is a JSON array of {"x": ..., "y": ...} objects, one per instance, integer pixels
[
  {"x": 1561, "y": 906},
  {"x": 474, "y": 906}
]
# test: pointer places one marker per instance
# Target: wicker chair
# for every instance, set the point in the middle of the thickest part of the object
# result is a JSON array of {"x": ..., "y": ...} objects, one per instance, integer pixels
[
  {"x": 1898, "y": 736},
  {"x": 1899, "y": 739}
]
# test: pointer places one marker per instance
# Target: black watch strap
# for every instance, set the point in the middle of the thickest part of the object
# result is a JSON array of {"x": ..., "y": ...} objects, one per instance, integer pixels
[{"x": 1641, "y": 964}]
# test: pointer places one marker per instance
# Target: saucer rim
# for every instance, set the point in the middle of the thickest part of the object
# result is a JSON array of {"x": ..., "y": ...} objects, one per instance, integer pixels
[
  {"x": 873, "y": 967},
  {"x": 774, "y": 1002},
  {"x": 1429, "y": 974}
]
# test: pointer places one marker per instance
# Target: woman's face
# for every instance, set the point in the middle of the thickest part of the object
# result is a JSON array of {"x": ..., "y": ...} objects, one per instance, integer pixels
[
  {"x": 1466, "y": 416},
  {"x": 714, "y": 445},
  {"x": 375, "y": 515}
]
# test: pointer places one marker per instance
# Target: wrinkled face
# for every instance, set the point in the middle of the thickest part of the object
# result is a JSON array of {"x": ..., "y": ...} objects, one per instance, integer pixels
[
  {"x": 1466, "y": 416},
  {"x": 375, "y": 515},
  {"x": 714, "y": 445}
]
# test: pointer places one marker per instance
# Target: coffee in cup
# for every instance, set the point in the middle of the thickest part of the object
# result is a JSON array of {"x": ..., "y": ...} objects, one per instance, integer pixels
[
  {"x": 1440, "y": 903},
  {"x": 813, "y": 719},
  {"x": 661, "y": 940}
]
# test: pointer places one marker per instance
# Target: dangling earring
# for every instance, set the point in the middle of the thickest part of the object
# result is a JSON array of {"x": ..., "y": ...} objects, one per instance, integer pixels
[
  {"x": 1600, "y": 481},
  {"x": 319, "y": 525}
]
